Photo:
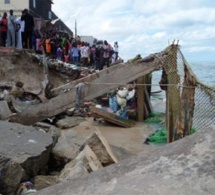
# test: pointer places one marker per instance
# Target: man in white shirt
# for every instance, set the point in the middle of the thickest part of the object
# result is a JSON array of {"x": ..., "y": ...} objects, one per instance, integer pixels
[
  {"x": 11, "y": 30},
  {"x": 116, "y": 50},
  {"x": 85, "y": 54},
  {"x": 19, "y": 34}
]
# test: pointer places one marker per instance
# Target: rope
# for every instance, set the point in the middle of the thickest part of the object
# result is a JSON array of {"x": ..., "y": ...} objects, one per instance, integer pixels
[
  {"x": 176, "y": 85},
  {"x": 65, "y": 90}
]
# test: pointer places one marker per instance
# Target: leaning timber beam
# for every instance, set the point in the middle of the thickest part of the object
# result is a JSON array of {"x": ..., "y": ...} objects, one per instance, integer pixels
[
  {"x": 95, "y": 85},
  {"x": 69, "y": 86}
]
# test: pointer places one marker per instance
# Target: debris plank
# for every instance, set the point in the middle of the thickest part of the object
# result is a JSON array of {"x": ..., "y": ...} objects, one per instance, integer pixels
[
  {"x": 99, "y": 145},
  {"x": 112, "y": 118},
  {"x": 140, "y": 98}
]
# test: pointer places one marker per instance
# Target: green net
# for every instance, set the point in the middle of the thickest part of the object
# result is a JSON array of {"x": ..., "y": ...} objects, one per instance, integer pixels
[
  {"x": 160, "y": 136},
  {"x": 155, "y": 118}
]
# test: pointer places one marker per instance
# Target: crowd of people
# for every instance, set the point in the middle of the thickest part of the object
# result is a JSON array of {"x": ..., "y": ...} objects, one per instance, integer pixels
[
  {"x": 21, "y": 33},
  {"x": 17, "y": 32},
  {"x": 59, "y": 45}
]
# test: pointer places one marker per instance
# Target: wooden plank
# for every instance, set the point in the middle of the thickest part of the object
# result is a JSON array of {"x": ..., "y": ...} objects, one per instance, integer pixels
[
  {"x": 147, "y": 101},
  {"x": 106, "y": 145},
  {"x": 112, "y": 118},
  {"x": 92, "y": 159},
  {"x": 87, "y": 79},
  {"x": 140, "y": 98},
  {"x": 95, "y": 86}
]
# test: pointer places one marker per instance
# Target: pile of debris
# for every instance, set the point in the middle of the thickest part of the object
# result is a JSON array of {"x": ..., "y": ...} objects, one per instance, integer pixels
[
  {"x": 32, "y": 154},
  {"x": 33, "y": 157},
  {"x": 38, "y": 152}
]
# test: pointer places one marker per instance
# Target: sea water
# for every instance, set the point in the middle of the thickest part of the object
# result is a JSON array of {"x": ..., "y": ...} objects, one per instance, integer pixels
[{"x": 204, "y": 71}]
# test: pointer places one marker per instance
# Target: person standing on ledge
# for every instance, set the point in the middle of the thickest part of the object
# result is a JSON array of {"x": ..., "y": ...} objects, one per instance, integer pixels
[
  {"x": 11, "y": 42},
  {"x": 29, "y": 27},
  {"x": 3, "y": 25},
  {"x": 106, "y": 54},
  {"x": 116, "y": 50}
]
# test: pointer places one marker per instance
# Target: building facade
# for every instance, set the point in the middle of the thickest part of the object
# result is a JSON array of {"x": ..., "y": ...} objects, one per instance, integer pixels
[
  {"x": 40, "y": 9},
  {"x": 17, "y": 6}
]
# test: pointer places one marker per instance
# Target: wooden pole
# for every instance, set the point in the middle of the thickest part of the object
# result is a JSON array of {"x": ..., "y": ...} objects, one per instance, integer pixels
[
  {"x": 173, "y": 93},
  {"x": 140, "y": 98},
  {"x": 147, "y": 93}
]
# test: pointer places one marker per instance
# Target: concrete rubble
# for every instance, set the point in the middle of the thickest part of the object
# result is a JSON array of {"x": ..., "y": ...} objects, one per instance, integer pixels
[
  {"x": 29, "y": 151},
  {"x": 69, "y": 122},
  {"x": 24, "y": 153},
  {"x": 182, "y": 167},
  {"x": 5, "y": 112},
  {"x": 11, "y": 175}
]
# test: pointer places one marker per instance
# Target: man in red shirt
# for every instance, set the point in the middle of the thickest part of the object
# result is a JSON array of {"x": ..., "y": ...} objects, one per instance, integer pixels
[
  {"x": 106, "y": 54},
  {"x": 3, "y": 24}
]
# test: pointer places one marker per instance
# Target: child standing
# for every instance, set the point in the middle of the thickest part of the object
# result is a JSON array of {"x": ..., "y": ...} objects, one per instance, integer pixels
[{"x": 59, "y": 53}]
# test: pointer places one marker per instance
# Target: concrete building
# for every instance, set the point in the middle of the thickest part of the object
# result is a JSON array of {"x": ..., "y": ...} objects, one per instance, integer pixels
[
  {"x": 17, "y": 6},
  {"x": 88, "y": 39},
  {"x": 40, "y": 9}
]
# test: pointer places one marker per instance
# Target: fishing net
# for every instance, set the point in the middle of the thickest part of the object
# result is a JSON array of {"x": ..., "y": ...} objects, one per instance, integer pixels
[
  {"x": 190, "y": 103},
  {"x": 160, "y": 136}
]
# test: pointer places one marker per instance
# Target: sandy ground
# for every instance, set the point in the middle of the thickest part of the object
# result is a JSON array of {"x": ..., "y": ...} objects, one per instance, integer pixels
[{"x": 131, "y": 139}]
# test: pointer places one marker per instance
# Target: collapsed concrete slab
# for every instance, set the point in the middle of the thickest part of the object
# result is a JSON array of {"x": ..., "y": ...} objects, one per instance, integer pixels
[
  {"x": 182, "y": 167},
  {"x": 68, "y": 146},
  {"x": 26, "y": 146}
]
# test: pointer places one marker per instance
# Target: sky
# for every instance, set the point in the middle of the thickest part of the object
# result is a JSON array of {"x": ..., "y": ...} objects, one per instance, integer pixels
[{"x": 145, "y": 26}]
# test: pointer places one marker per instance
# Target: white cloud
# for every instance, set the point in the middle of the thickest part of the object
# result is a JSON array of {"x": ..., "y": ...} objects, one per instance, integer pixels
[{"x": 144, "y": 27}]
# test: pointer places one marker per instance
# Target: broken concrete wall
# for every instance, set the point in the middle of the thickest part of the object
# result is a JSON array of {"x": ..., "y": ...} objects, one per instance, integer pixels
[
  {"x": 182, "y": 167},
  {"x": 24, "y": 152},
  {"x": 18, "y": 65}
]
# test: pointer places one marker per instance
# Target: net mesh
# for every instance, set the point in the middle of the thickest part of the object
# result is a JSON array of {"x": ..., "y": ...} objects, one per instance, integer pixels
[{"x": 190, "y": 103}]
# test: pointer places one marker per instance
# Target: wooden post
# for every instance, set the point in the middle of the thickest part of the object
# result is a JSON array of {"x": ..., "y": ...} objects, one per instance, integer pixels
[
  {"x": 147, "y": 93},
  {"x": 140, "y": 98},
  {"x": 185, "y": 117},
  {"x": 169, "y": 119},
  {"x": 172, "y": 93}
]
